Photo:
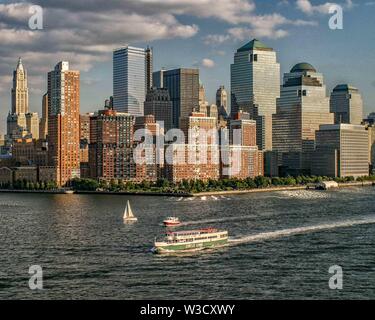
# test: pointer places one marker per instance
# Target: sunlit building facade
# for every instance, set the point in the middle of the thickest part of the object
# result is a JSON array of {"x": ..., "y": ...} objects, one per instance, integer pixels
[
  {"x": 301, "y": 109},
  {"x": 129, "y": 80},
  {"x": 255, "y": 86}
]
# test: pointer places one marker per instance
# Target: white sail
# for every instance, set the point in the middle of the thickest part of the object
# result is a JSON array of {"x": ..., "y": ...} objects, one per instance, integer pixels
[{"x": 128, "y": 214}]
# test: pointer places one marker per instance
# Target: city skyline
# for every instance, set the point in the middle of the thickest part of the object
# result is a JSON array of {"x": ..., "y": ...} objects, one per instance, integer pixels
[{"x": 209, "y": 48}]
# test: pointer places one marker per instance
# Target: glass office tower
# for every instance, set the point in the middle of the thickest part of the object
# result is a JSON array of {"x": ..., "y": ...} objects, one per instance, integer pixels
[{"x": 129, "y": 80}]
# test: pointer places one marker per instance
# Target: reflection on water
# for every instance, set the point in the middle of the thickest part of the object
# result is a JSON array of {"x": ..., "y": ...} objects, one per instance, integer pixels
[{"x": 282, "y": 244}]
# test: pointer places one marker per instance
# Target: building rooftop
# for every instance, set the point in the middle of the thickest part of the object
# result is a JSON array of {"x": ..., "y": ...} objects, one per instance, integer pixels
[
  {"x": 254, "y": 44},
  {"x": 345, "y": 87},
  {"x": 303, "y": 67}
]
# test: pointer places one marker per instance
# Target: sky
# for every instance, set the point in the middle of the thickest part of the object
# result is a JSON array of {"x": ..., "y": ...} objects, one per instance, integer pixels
[{"x": 183, "y": 33}]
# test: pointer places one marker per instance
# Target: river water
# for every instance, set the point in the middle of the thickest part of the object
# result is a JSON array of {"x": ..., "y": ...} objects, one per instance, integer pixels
[{"x": 282, "y": 246}]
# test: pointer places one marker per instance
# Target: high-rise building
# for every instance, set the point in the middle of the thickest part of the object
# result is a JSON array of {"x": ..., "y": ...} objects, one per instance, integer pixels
[
  {"x": 84, "y": 128},
  {"x": 63, "y": 122},
  {"x": 199, "y": 157},
  {"x": 183, "y": 87},
  {"x": 20, "y": 91},
  {"x": 255, "y": 86},
  {"x": 129, "y": 80},
  {"x": 341, "y": 151},
  {"x": 149, "y": 68},
  {"x": 111, "y": 146},
  {"x": 241, "y": 158},
  {"x": 202, "y": 94},
  {"x": 222, "y": 102},
  {"x": 158, "y": 103},
  {"x": 16, "y": 120},
  {"x": 346, "y": 104},
  {"x": 212, "y": 111},
  {"x": 301, "y": 109},
  {"x": 32, "y": 124},
  {"x": 158, "y": 79},
  {"x": 43, "y": 124}
]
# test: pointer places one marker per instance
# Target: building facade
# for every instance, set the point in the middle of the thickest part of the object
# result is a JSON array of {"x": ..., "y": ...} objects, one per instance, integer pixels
[
  {"x": 301, "y": 109},
  {"x": 255, "y": 86},
  {"x": 111, "y": 146},
  {"x": 222, "y": 102},
  {"x": 63, "y": 122},
  {"x": 346, "y": 104},
  {"x": 342, "y": 150},
  {"x": 129, "y": 80},
  {"x": 43, "y": 124},
  {"x": 198, "y": 158},
  {"x": 158, "y": 103},
  {"x": 16, "y": 120},
  {"x": 241, "y": 158},
  {"x": 149, "y": 68},
  {"x": 183, "y": 87}
]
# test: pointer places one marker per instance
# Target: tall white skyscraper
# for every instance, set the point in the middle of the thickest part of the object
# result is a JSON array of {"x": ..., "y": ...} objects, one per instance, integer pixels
[
  {"x": 255, "y": 86},
  {"x": 129, "y": 80},
  {"x": 301, "y": 109}
]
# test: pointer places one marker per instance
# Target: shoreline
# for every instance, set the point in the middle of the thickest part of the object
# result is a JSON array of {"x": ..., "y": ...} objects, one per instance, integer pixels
[{"x": 186, "y": 194}]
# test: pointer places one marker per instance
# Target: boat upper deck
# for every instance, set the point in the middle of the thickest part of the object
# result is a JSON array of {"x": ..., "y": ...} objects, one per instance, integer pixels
[{"x": 192, "y": 232}]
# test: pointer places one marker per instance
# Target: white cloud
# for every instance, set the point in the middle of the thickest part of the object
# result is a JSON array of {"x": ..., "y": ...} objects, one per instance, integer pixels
[
  {"x": 308, "y": 8},
  {"x": 208, "y": 63}
]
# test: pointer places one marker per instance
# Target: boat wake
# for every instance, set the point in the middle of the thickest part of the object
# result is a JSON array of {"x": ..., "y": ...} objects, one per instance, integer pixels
[
  {"x": 297, "y": 231},
  {"x": 240, "y": 218},
  {"x": 304, "y": 194}
]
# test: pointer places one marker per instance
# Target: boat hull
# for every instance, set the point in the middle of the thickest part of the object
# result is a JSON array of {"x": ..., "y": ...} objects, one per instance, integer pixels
[
  {"x": 171, "y": 224},
  {"x": 161, "y": 248}
]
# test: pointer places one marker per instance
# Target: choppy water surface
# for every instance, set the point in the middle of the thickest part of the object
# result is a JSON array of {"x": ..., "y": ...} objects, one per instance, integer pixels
[{"x": 282, "y": 245}]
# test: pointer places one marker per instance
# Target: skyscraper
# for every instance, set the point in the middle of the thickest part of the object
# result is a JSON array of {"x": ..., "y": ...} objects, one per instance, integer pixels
[
  {"x": 158, "y": 103},
  {"x": 149, "y": 68},
  {"x": 342, "y": 150},
  {"x": 63, "y": 122},
  {"x": 183, "y": 87},
  {"x": 16, "y": 120},
  {"x": 129, "y": 80},
  {"x": 111, "y": 145},
  {"x": 158, "y": 79},
  {"x": 32, "y": 124},
  {"x": 255, "y": 86},
  {"x": 20, "y": 91},
  {"x": 301, "y": 109},
  {"x": 222, "y": 102},
  {"x": 346, "y": 104},
  {"x": 43, "y": 124}
]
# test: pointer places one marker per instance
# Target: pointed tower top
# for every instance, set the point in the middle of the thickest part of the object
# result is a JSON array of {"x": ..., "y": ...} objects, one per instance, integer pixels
[{"x": 20, "y": 65}]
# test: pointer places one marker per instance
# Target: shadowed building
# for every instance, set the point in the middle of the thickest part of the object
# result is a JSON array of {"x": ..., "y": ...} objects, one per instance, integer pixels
[
  {"x": 43, "y": 124},
  {"x": 222, "y": 102},
  {"x": 183, "y": 87},
  {"x": 346, "y": 104},
  {"x": 255, "y": 86},
  {"x": 158, "y": 104}
]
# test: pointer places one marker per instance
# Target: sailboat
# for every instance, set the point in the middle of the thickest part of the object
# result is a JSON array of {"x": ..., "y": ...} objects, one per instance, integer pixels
[{"x": 128, "y": 214}]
